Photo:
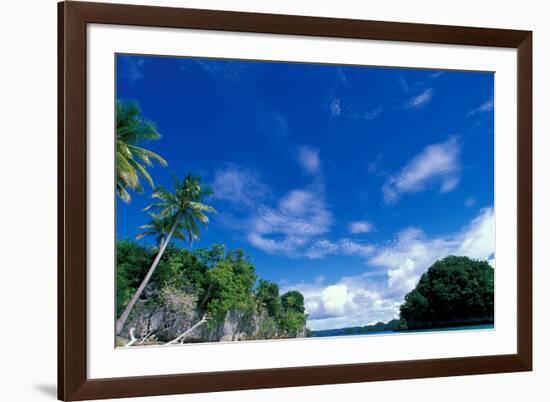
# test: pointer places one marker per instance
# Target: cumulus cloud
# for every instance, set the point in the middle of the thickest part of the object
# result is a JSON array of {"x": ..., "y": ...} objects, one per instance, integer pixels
[
  {"x": 439, "y": 163},
  {"x": 396, "y": 268},
  {"x": 360, "y": 227},
  {"x": 348, "y": 302},
  {"x": 484, "y": 107},
  {"x": 308, "y": 158}
]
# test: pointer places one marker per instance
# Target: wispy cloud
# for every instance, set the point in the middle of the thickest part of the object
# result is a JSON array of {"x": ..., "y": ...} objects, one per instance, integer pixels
[
  {"x": 335, "y": 108},
  {"x": 221, "y": 69},
  {"x": 483, "y": 108},
  {"x": 309, "y": 160},
  {"x": 297, "y": 226},
  {"x": 374, "y": 113},
  {"x": 419, "y": 101},
  {"x": 323, "y": 247},
  {"x": 289, "y": 228},
  {"x": 238, "y": 185},
  {"x": 470, "y": 202},
  {"x": 360, "y": 227},
  {"x": 438, "y": 163},
  {"x": 413, "y": 252}
]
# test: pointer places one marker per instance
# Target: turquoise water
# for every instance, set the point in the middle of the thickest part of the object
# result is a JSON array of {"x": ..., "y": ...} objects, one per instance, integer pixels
[
  {"x": 341, "y": 331},
  {"x": 469, "y": 327}
]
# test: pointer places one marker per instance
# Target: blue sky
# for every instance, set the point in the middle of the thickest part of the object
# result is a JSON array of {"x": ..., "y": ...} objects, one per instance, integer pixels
[{"x": 344, "y": 182}]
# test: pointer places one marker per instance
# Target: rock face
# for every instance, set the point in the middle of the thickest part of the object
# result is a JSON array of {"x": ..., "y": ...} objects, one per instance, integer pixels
[
  {"x": 161, "y": 321},
  {"x": 167, "y": 322}
]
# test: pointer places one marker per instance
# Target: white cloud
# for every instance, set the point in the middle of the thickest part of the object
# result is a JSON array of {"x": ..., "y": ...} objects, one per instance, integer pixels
[
  {"x": 437, "y": 162},
  {"x": 376, "y": 295},
  {"x": 360, "y": 227},
  {"x": 335, "y": 108},
  {"x": 336, "y": 299},
  {"x": 323, "y": 247},
  {"x": 484, "y": 107},
  {"x": 308, "y": 158},
  {"x": 239, "y": 186},
  {"x": 300, "y": 216},
  {"x": 296, "y": 227},
  {"x": 413, "y": 252},
  {"x": 348, "y": 302},
  {"x": 470, "y": 202},
  {"x": 419, "y": 101}
]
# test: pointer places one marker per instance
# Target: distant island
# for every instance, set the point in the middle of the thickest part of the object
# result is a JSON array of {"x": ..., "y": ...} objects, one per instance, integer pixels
[{"x": 379, "y": 327}]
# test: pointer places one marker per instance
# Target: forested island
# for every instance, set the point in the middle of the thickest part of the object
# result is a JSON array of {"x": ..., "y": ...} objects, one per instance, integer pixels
[
  {"x": 203, "y": 295},
  {"x": 455, "y": 292}
]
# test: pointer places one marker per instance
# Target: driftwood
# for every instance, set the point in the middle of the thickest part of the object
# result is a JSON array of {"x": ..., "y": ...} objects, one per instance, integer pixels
[
  {"x": 133, "y": 338},
  {"x": 140, "y": 341},
  {"x": 181, "y": 338}
]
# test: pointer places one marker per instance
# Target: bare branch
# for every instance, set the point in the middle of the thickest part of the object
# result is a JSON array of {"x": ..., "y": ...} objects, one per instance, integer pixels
[
  {"x": 133, "y": 338},
  {"x": 182, "y": 337}
]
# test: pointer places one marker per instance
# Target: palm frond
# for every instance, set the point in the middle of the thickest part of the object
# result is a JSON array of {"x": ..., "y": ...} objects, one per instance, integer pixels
[{"x": 132, "y": 128}]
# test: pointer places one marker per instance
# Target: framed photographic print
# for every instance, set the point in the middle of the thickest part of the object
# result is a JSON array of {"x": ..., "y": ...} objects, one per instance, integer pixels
[{"x": 252, "y": 200}]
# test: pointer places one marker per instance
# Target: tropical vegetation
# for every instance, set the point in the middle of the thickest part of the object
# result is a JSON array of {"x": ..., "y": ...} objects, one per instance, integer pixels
[
  {"x": 180, "y": 213},
  {"x": 189, "y": 285},
  {"x": 455, "y": 291},
  {"x": 170, "y": 294},
  {"x": 132, "y": 160},
  {"x": 185, "y": 288}
]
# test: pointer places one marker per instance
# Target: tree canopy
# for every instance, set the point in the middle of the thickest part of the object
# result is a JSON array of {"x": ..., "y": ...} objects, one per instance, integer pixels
[
  {"x": 220, "y": 281},
  {"x": 454, "y": 291}
]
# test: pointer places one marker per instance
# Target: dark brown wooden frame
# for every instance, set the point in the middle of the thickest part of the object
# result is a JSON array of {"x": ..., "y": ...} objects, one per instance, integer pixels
[{"x": 73, "y": 17}]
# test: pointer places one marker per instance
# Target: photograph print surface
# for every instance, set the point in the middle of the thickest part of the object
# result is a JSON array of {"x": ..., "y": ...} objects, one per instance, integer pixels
[{"x": 262, "y": 200}]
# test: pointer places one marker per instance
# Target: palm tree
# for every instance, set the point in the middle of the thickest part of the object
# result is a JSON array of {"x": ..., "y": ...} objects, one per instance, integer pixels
[
  {"x": 182, "y": 209},
  {"x": 132, "y": 161},
  {"x": 159, "y": 227}
]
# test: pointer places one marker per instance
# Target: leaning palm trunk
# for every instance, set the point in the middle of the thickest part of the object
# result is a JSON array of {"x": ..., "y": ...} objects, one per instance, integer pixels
[{"x": 121, "y": 321}]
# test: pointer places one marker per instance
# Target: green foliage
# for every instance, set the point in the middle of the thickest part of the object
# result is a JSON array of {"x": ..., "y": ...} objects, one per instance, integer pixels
[
  {"x": 159, "y": 228},
  {"x": 132, "y": 264},
  {"x": 293, "y": 318},
  {"x": 230, "y": 284},
  {"x": 183, "y": 206},
  {"x": 182, "y": 269},
  {"x": 219, "y": 280},
  {"x": 454, "y": 291},
  {"x": 293, "y": 301},
  {"x": 132, "y": 160},
  {"x": 267, "y": 295}
]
